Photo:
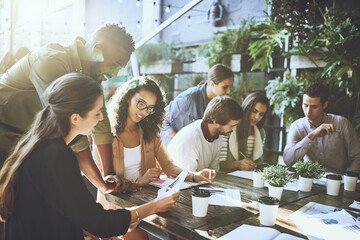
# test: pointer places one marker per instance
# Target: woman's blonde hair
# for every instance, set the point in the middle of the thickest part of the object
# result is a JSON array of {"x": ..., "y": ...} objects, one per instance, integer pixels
[{"x": 71, "y": 93}]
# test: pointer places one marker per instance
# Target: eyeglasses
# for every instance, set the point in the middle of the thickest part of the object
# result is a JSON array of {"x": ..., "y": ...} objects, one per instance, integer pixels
[{"x": 141, "y": 106}]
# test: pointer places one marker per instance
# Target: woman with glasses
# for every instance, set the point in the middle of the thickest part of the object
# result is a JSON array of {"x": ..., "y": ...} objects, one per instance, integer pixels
[{"x": 136, "y": 112}]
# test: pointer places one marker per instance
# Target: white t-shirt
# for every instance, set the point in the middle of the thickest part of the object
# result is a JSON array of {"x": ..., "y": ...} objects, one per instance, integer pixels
[
  {"x": 189, "y": 148},
  {"x": 132, "y": 162}
]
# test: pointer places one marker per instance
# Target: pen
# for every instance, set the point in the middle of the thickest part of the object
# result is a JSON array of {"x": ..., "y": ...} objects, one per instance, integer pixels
[
  {"x": 215, "y": 191},
  {"x": 244, "y": 156}
]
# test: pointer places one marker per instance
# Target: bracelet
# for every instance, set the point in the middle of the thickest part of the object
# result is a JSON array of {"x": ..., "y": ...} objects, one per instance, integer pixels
[{"x": 137, "y": 215}]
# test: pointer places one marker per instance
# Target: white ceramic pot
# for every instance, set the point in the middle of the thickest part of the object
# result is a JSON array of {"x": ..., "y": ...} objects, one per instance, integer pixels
[
  {"x": 305, "y": 184},
  {"x": 275, "y": 191},
  {"x": 258, "y": 180}
]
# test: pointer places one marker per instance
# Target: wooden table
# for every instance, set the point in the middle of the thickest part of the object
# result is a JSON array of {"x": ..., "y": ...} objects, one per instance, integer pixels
[
  {"x": 283, "y": 224},
  {"x": 180, "y": 222}
]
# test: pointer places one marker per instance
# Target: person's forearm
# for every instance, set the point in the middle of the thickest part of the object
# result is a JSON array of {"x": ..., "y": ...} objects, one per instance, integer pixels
[
  {"x": 227, "y": 166},
  {"x": 143, "y": 211},
  {"x": 105, "y": 153},
  {"x": 295, "y": 151},
  {"x": 190, "y": 177},
  {"x": 88, "y": 167},
  {"x": 311, "y": 136}
]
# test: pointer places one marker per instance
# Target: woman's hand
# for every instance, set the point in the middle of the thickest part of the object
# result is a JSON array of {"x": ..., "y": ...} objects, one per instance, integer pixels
[
  {"x": 245, "y": 165},
  {"x": 166, "y": 202},
  {"x": 152, "y": 174}
]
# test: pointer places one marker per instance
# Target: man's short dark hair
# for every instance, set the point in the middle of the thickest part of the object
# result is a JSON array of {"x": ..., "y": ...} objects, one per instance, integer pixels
[
  {"x": 317, "y": 90},
  {"x": 117, "y": 34},
  {"x": 222, "y": 109}
]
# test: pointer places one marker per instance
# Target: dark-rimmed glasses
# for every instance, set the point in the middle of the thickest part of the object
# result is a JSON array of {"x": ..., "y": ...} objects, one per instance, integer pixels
[{"x": 141, "y": 106}]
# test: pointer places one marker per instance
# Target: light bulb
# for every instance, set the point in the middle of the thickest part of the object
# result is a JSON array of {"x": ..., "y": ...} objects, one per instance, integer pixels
[{"x": 168, "y": 8}]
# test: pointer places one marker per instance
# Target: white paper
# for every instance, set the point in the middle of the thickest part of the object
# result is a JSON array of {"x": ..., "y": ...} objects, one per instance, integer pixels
[
  {"x": 326, "y": 222},
  {"x": 322, "y": 180},
  {"x": 175, "y": 185},
  {"x": 312, "y": 208},
  {"x": 355, "y": 205},
  {"x": 330, "y": 226},
  {"x": 257, "y": 233},
  {"x": 294, "y": 186},
  {"x": 165, "y": 181},
  {"x": 242, "y": 174},
  {"x": 290, "y": 186},
  {"x": 227, "y": 197}
]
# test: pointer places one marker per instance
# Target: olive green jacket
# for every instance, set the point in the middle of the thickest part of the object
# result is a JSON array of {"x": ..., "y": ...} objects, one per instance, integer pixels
[{"x": 22, "y": 92}]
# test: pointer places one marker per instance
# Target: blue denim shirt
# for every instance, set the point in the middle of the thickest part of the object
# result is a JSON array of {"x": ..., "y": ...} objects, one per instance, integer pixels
[{"x": 184, "y": 109}]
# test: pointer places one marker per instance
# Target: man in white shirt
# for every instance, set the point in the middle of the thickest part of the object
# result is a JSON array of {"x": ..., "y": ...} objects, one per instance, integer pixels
[{"x": 197, "y": 146}]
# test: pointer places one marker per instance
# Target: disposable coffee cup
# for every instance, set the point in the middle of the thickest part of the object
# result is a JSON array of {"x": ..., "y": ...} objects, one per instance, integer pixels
[
  {"x": 333, "y": 182},
  {"x": 268, "y": 207},
  {"x": 200, "y": 202},
  {"x": 350, "y": 181},
  {"x": 258, "y": 180}
]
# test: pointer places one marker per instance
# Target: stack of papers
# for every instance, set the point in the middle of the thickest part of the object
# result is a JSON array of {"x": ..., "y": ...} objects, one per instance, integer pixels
[
  {"x": 326, "y": 222},
  {"x": 224, "y": 197},
  {"x": 165, "y": 181},
  {"x": 294, "y": 186},
  {"x": 257, "y": 233}
]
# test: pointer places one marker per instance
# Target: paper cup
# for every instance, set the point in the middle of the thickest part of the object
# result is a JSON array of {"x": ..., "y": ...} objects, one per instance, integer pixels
[
  {"x": 350, "y": 181},
  {"x": 200, "y": 202},
  {"x": 268, "y": 207},
  {"x": 333, "y": 182},
  {"x": 258, "y": 180}
]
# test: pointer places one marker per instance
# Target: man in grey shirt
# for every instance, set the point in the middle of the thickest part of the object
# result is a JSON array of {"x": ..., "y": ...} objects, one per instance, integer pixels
[{"x": 325, "y": 138}]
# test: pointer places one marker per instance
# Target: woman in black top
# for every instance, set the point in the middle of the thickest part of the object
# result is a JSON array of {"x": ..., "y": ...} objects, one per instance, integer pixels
[{"x": 42, "y": 194}]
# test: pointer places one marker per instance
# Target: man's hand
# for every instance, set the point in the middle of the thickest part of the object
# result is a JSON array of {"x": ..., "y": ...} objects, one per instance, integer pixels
[
  {"x": 152, "y": 174},
  {"x": 119, "y": 184},
  {"x": 207, "y": 175},
  {"x": 322, "y": 130},
  {"x": 244, "y": 164}
]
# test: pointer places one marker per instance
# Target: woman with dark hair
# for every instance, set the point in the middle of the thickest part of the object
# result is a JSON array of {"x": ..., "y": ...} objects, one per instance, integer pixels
[
  {"x": 190, "y": 105},
  {"x": 245, "y": 146},
  {"x": 136, "y": 112},
  {"x": 42, "y": 193}
]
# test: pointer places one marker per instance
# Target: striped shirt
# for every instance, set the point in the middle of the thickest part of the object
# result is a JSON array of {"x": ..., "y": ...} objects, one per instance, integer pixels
[{"x": 250, "y": 147}]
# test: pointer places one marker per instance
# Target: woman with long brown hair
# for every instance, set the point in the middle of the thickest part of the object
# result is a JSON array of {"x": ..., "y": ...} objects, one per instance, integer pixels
[
  {"x": 136, "y": 112},
  {"x": 245, "y": 146},
  {"x": 42, "y": 193}
]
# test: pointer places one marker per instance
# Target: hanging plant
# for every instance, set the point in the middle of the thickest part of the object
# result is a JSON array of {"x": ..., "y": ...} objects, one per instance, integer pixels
[
  {"x": 285, "y": 95},
  {"x": 271, "y": 39}
]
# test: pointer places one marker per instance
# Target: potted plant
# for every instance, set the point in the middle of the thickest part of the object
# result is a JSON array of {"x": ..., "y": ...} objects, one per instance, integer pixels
[
  {"x": 230, "y": 47},
  {"x": 277, "y": 176},
  {"x": 160, "y": 58},
  {"x": 285, "y": 96},
  {"x": 307, "y": 171}
]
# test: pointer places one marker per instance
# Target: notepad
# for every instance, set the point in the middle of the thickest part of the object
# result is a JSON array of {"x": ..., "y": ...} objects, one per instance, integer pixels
[{"x": 257, "y": 233}]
